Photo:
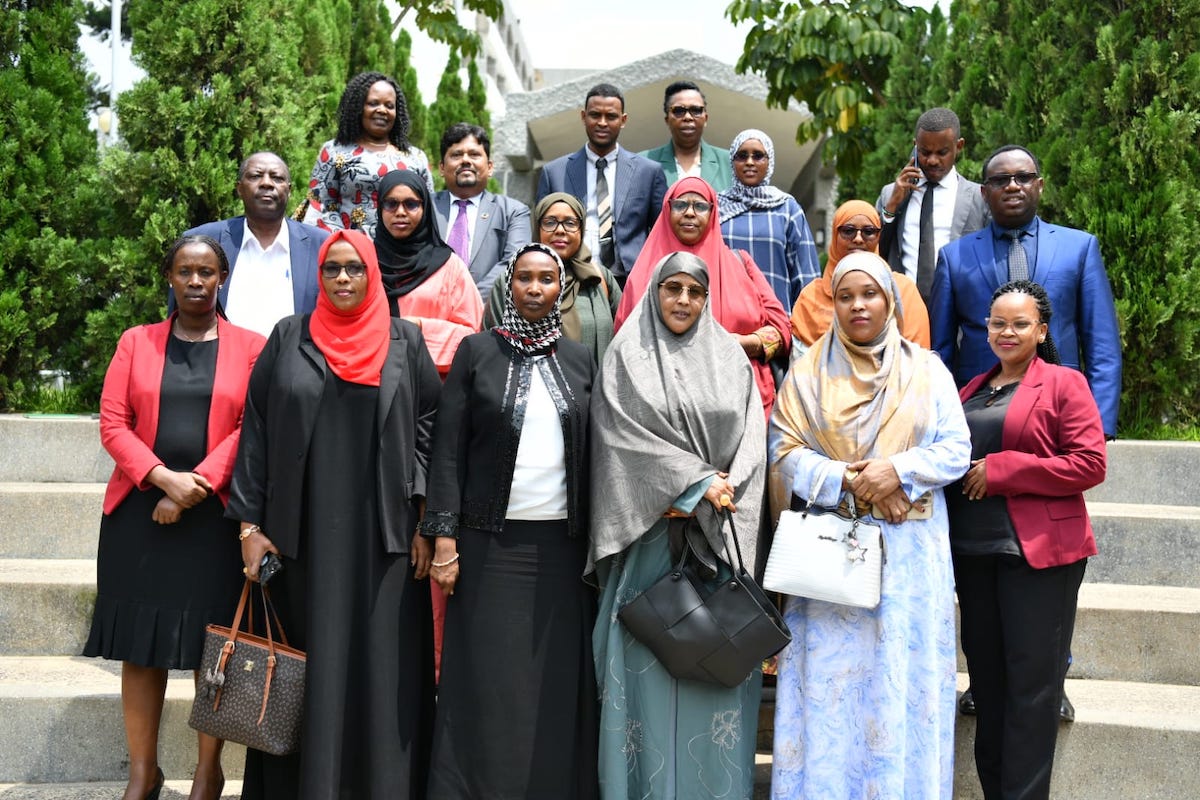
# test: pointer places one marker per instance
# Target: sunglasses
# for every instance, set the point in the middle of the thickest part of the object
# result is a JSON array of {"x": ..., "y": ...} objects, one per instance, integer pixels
[
  {"x": 751, "y": 155},
  {"x": 700, "y": 206},
  {"x": 675, "y": 288},
  {"x": 1002, "y": 181},
  {"x": 354, "y": 270},
  {"x": 549, "y": 224},
  {"x": 679, "y": 112},
  {"x": 850, "y": 232},
  {"x": 410, "y": 205}
]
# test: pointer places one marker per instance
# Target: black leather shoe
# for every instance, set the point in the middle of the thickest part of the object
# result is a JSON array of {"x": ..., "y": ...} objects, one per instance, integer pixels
[
  {"x": 966, "y": 704},
  {"x": 1066, "y": 711}
]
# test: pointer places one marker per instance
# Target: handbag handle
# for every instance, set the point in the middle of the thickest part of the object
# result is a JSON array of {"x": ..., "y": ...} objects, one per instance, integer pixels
[
  {"x": 736, "y": 545},
  {"x": 822, "y": 474}
]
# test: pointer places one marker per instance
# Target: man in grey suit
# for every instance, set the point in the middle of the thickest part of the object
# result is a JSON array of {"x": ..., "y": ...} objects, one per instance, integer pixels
[
  {"x": 272, "y": 265},
  {"x": 914, "y": 230},
  {"x": 485, "y": 229},
  {"x": 622, "y": 191}
]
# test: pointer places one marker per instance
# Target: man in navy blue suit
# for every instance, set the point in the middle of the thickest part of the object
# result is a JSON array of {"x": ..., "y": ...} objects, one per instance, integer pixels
[
  {"x": 622, "y": 191},
  {"x": 1064, "y": 260},
  {"x": 272, "y": 260}
]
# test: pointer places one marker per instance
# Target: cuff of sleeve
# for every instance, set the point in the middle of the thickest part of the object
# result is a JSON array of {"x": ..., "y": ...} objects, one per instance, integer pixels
[{"x": 440, "y": 523}]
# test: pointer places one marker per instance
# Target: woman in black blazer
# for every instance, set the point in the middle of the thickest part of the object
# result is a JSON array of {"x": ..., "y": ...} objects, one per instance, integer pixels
[
  {"x": 507, "y": 506},
  {"x": 331, "y": 475}
]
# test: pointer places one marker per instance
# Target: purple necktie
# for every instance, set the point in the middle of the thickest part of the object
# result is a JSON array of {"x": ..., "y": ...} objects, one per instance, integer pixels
[{"x": 458, "y": 233}]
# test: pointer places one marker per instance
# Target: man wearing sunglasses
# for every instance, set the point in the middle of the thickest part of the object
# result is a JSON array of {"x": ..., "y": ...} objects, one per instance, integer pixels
[
  {"x": 687, "y": 154},
  {"x": 914, "y": 229},
  {"x": 272, "y": 260},
  {"x": 1019, "y": 244}
]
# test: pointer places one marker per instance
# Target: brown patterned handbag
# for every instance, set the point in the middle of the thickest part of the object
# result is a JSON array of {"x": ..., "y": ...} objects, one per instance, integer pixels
[{"x": 251, "y": 689}]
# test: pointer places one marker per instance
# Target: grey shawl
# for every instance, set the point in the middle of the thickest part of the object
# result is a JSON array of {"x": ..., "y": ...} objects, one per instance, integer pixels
[{"x": 670, "y": 411}]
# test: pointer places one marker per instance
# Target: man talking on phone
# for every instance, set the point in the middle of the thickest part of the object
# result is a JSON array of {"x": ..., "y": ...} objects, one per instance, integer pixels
[{"x": 914, "y": 229}]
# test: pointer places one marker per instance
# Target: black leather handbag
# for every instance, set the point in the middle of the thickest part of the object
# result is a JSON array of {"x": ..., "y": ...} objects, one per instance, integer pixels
[{"x": 714, "y": 631}]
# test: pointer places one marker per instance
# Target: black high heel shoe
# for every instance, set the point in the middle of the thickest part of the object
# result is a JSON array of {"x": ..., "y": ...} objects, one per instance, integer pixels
[{"x": 157, "y": 788}]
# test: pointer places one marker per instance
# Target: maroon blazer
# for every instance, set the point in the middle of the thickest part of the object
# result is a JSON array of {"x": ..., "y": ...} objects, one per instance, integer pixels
[
  {"x": 129, "y": 406},
  {"x": 1053, "y": 450}
]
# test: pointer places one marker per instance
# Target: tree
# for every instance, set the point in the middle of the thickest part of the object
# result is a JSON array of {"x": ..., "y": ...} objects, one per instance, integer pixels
[
  {"x": 452, "y": 105},
  {"x": 406, "y": 76},
  {"x": 438, "y": 20},
  {"x": 835, "y": 57}
]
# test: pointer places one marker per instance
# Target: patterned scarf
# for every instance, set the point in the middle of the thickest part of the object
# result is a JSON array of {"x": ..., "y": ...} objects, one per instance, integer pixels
[
  {"x": 531, "y": 338},
  {"x": 739, "y": 197}
]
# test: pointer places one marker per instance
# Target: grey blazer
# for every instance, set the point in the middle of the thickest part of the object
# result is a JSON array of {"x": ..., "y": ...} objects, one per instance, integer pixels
[
  {"x": 970, "y": 214},
  {"x": 501, "y": 229}
]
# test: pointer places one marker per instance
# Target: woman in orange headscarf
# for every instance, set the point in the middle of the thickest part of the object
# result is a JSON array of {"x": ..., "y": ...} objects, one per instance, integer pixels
[{"x": 855, "y": 227}]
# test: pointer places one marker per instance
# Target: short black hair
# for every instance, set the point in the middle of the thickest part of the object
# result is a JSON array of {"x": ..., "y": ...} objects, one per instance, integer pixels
[
  {"x": 939, "y": 119},
  {"x": 677, "y": 87},
  {"x": 194, "y": 238},
  {"x": 246, "y": 161},
  {"x": 1007, "y": 148},
  {"x": 605, "y": 90},
  {"x": 350, "y": 110},
  {"x": 461, "y": 130}
]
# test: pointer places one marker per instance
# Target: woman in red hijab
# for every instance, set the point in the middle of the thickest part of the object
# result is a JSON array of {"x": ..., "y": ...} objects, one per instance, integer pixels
[
  {"x": 742, "y": 301},
  {"x": 330, "y": 475}
]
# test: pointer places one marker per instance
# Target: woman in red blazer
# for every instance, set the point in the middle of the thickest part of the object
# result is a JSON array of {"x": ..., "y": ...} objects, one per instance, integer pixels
[
  {"x": 168, "y": 561},
  {"x": 1020, "y": 538}
]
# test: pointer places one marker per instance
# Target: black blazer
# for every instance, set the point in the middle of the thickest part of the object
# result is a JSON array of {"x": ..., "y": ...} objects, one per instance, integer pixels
[
  {"x": 281, "y": 408},
  {"x": 478, "y": 430}
]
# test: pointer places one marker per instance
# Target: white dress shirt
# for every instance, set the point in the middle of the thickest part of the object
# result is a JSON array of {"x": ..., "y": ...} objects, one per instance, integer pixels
[
  {"x": 943, "y": 217},
  {"x": 260, "y": 285},
  {"x": 592, "y": 229}
]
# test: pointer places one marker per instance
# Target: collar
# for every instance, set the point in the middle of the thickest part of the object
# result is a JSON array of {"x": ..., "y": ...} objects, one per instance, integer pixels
[
  {"x": 592, "y": 157},
  {"x": 948, "y": 182},
  {"x": 1028, "y": 230},
  {"x": 283, "y": 240}
]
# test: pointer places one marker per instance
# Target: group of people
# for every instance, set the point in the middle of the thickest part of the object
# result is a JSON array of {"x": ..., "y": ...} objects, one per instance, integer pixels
[{"x": 472, "y": 432}]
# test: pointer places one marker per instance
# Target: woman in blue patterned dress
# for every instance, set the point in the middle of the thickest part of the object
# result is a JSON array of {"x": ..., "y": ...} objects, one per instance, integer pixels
[{"x": 865, "y": 701}]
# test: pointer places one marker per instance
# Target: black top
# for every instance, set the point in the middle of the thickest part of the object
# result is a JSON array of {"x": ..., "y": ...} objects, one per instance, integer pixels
[
  {"x": 983, "y": 527},
  {"x": 184, "y": 400}
]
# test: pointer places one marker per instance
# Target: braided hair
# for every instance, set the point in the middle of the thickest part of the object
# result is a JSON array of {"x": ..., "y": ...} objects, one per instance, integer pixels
[
  {"x": 350, "y": 110},
  {"x": 168, "y": 262},
  {"x": 1046, "y": 350}
]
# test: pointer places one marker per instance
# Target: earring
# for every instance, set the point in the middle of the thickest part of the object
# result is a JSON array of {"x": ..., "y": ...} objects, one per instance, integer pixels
[{"x": 1041, "y": 340}]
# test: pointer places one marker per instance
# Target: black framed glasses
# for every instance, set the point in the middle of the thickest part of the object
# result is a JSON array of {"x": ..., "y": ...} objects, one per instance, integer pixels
[
  {"x": 392, "y": 205},
  {"x": 675, "y": 288},
  {"x": 549, "y": 224},
  {"x": 354, "y": 269},
  {"x": 851, "y": 232},
  {"x": 679, "y": 112},
  {"x": 701, "y": 207},
  {"x": 751, "y": 155},
  {"x": 1002, "y": 181}
]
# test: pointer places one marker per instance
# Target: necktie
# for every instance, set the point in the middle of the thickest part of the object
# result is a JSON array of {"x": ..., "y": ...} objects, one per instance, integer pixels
[
  {"x": 926, "y": 250},
  {"x": 458, "y": 232},
  {"x": 604, "y": 215},
  {"x": 1018, "y": 260}
]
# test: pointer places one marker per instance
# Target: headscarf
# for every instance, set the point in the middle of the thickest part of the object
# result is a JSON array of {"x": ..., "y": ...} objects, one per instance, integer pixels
[
  {"x": 530, "y": 338},
  {"x": 406, "y": 263},
  {"x": 354, "y": 342},
  {"x": 813, "y": 313},
  {"x": 671, "y": 410},
  {"x": 853, "y": 401},
  {"x": 739, "y": 197},
  {"x": 579, "y": 268}
]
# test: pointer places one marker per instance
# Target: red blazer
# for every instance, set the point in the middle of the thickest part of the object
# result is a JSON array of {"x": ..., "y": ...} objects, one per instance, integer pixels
[
  {"x": 1054, "y": 449},
  {"x": 129, "y": 406}
]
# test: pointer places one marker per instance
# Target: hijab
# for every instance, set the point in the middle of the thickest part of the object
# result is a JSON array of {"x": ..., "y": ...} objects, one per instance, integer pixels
[
  {"x": 579, "y": 268},
  {"x": 851, "y": 401},
  {"x": 739, "y": 197},
  {"x": 671, "y": 410},
  {"x": 813, "y": 313},
  {"x": 406, "y": 263},
  {"x": 354, "y": 342},
  {"x": 537, "y": 337}
]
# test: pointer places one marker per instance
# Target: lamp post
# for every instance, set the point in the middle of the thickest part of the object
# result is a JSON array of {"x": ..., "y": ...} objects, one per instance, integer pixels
[{"x": 110, "y": 130}]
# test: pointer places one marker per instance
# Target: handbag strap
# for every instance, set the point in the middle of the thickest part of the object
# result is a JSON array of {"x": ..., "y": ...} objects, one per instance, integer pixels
[
  {"x": 736, "y": 545},
  {"x": 819, "y": 478}
]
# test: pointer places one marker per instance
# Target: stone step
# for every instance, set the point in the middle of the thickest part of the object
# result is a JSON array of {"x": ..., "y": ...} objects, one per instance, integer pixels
[
  {"x": 1150, "y": 472},
  {"x": 62, "y": 723},
  {"x": 102, "y": 790},
  {"x": 46, "y": 605},
  {"x": 52, "y": 448},
  {"x": 50, "y": 520},
  {"x": 1145, "y": 544}
]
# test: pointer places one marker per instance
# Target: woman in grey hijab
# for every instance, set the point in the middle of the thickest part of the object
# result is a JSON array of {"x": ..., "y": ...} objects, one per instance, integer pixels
[{"x": 677, "y": 430}]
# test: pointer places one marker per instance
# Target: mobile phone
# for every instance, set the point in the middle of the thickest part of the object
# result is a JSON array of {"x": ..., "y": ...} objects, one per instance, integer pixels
[
  {"x": 269, "y": 568},
  {"x": 913, "y": 160}
]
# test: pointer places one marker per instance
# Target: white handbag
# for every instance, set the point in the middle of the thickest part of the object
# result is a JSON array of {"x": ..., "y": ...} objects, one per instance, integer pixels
[{"x": 824, "y": 555}]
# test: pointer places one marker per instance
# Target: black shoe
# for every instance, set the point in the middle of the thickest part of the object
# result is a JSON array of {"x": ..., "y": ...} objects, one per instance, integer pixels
[
  {"x": 1066, "y": 711},
  {"x": 966, "y": 704}
]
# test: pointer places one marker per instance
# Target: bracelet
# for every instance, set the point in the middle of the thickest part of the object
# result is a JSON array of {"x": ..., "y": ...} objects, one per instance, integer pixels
[
  {"x": 887, "y": 216},
  {"x": 444, "y": 563},
  {"x": 247, "y": 532}
]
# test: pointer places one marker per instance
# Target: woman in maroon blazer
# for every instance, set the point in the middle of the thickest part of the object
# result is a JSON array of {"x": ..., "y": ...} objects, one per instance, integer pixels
[
  {"x": 169, "y": 562},
  {"x": 1020, "y": 538}
]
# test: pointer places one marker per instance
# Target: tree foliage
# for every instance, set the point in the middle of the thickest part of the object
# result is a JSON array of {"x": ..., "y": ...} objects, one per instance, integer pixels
[{"x": 438, "y": 20}]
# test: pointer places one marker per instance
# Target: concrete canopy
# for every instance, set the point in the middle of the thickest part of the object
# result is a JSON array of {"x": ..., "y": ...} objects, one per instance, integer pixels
[{"x": 542, "y": 125}]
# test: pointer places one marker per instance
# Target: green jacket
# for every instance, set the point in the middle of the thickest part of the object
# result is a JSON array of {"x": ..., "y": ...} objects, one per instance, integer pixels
[{"x": 714, "y": 164}]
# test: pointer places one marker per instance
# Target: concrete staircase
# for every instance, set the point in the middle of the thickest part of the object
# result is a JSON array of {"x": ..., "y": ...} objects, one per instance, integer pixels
[{"x": 1135, "y": 682}]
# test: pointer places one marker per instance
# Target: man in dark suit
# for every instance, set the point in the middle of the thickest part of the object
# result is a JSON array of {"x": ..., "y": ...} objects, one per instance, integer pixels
[
  {"x": 272, "y": 265},
  {"x": 485, "y": 229},
  {"x": 1019, "y": 244},
  {"x": 622, "y": 192},
  {"x": 913, "y": 230}
]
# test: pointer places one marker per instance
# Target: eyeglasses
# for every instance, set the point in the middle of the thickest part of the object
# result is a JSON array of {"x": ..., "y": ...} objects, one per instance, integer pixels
[
  {"x": 1002, "y": 181},
  {"x": 751, "y": 155},
  {"x": 675, "y": 288},
  {"x": 679, "y": 112},
  {"x": 850, "y": 232},
  {"x": 354, "y": 269},
  {"x": 701, "y": 207},
  {"x": 410, "y": 205},
  {"x": 549, "y": 224},
  {"x": 1019, "y": 326}
]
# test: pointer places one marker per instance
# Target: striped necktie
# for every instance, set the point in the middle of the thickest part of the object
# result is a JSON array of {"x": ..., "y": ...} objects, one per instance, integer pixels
[{"x": 604, "y": 214}]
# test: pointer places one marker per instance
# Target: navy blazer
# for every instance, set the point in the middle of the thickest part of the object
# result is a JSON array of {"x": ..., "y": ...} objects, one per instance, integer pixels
[
  {"x": 304, "y": 242},
  {"x": 641, "y": 187},
  {"x": 501, "y": 229},
  {"x": 1084, "y": 322}
]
